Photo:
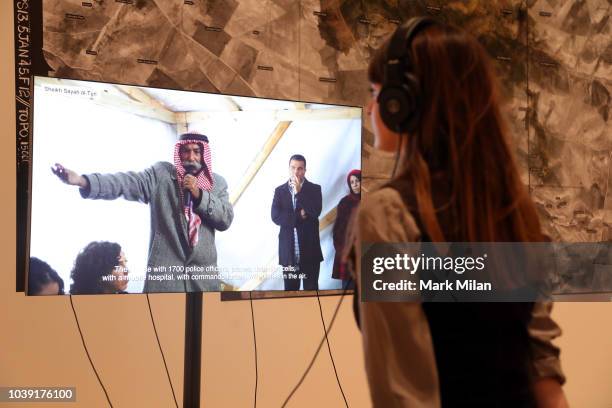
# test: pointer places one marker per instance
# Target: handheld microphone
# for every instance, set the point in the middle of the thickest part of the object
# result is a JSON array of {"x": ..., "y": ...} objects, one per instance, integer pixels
[
  {"x": 189, "y": 168},
  {"x": 187, "y": 194}
]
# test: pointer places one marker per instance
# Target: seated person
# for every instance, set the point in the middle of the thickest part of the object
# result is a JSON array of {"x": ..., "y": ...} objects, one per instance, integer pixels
[
  {"x": 99, "y": 268},
  {"x": 43, "y": 280}
]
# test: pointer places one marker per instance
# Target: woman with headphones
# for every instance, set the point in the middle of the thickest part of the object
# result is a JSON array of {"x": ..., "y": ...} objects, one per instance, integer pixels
[{"x": 435, "y": 102}]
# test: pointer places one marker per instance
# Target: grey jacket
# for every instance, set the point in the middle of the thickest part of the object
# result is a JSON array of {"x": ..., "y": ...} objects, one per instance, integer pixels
[{"x": 169, "y": 245}]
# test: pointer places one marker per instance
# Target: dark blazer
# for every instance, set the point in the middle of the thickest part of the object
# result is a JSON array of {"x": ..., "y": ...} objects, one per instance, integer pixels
[{"x": 309, "y": 198}]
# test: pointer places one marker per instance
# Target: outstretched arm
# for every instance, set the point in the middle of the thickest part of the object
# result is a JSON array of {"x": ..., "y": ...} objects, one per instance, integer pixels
[
  {"x": 70, "y": 177},
  {"x": 133, "y": 186}
]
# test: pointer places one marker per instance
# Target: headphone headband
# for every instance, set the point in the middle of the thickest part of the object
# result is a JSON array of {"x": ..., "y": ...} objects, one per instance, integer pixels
[
  {"x": 401, "y": 41},
  {"x": 399, "y": 98}
]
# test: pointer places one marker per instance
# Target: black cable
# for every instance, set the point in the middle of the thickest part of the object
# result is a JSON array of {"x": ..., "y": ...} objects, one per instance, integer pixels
[
  {"x": 87, "y": 352},
  {"x": 397, "y": 152},
  {"x": 161, "y": 351},
  {"x": 255, "y": 345},
  {"x": 331, "y": 324},
  {"x": 329, "y": 348}
]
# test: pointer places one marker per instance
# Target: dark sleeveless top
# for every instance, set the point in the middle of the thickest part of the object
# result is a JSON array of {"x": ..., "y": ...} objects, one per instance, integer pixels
[{"x": 482, "y": 350}]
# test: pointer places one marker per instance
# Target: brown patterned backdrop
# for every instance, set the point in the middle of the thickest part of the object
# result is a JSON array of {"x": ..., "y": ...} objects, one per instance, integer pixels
[{"x": 554, "y": 58}]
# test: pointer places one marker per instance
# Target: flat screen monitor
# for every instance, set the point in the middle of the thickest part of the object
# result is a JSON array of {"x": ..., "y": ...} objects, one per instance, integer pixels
[{"x": 137, "y": 189}]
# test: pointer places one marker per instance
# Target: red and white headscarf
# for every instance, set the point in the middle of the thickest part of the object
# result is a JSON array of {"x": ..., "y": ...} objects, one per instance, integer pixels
[{"x": 205, "y": 178}]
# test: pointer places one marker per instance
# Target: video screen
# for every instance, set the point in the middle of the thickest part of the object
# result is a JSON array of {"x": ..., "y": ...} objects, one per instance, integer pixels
[{"x": 137, "y": 189}]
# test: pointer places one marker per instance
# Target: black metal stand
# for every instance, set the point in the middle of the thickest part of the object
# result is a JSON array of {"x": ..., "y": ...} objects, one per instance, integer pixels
[{"x": 193, "y": 350}]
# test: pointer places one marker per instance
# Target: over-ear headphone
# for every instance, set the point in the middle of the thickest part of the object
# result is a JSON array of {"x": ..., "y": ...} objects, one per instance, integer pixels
[{"x": 399, "y": 99}]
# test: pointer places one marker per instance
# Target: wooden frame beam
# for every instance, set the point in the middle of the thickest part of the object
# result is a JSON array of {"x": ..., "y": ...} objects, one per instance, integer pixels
[
  {"x": 231, "y": 104},
  {"x": 141, "y": 96},
  {"x": 181, "y": 123},
  {"x": 142, "y": 104},
  {"x": 260, "y": 159},
  {"x": 279, "y": 115},
  {"x": 109, "y": 100}
]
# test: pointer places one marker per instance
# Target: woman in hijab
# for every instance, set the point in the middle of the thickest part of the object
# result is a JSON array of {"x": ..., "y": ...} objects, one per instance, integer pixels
[{"x": 344, "y": 210}]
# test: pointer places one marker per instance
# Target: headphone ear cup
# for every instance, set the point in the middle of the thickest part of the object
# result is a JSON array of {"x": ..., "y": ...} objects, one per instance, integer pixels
[
  {"x": 393, "y": 106},
  {"x": 399, "y": 104}
]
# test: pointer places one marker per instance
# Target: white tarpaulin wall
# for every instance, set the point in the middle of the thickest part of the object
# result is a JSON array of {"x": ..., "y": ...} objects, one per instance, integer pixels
[
  {"x": 331, "y": 148},
  {"x": 89, "y": 137}
]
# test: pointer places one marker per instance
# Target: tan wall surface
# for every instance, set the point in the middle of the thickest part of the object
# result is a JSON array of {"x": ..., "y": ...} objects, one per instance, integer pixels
[
  {"x": 40, "y": 346},
  {"x": 586, "y": 352}
]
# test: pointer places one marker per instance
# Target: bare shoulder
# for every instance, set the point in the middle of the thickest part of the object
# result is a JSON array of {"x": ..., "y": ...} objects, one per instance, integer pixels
[{"x": 383, "y": 217}]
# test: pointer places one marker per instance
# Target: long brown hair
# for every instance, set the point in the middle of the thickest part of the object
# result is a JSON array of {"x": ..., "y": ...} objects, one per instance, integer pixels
[{"x": 461, "y": 139}]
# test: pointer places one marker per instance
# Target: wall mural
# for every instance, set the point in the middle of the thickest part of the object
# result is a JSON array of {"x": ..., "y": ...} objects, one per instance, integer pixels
[{"x": 554, "y": 58}]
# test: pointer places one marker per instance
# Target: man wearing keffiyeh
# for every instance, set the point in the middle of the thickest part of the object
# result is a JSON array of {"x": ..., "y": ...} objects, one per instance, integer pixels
[
  {"x": 188, "y": 203},
  {"x": 190, "y": 152}
]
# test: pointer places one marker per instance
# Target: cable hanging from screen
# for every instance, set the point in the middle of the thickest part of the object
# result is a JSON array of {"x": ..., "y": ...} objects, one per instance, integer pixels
[
  {"x": 329, "y": 347},
  {"x": 161, "y": 351},
  {"x": 314, "y": 357},
  {"x": 255, "y": 345},
  {"x": 87, "y": 352}
]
